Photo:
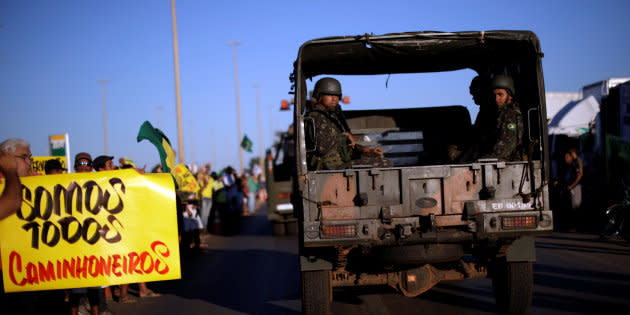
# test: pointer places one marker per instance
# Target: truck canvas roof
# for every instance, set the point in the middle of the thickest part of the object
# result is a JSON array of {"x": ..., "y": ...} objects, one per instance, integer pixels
[{"x": 414, "y": 52}]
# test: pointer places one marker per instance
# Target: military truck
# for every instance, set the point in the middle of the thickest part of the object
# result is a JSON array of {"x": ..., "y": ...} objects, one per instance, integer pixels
[
  {"x": 424, "y": 219},
  {"x": 279, "y": 167}
]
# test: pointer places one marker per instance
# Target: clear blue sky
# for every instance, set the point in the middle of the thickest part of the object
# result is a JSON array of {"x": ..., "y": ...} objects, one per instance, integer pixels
[{"x": 53, "y": 52}]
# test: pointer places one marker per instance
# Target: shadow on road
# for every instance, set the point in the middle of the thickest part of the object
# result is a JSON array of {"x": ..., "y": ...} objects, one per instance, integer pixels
[
  {"x": 238, "y": 273},
  {"x": 238, "y": 280}
]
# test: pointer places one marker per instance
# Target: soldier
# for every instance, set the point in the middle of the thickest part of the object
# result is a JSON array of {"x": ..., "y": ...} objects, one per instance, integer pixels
[
  {"x": 335, "y": 146},
  {"x": 483, "y": 125},
  {"x": 508, "y": 131}
]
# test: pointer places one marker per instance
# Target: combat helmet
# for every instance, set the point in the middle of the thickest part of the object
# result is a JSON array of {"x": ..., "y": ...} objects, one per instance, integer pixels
[
  {"x": 502, "y": 81},
  {"x": 328, "y": 86}
]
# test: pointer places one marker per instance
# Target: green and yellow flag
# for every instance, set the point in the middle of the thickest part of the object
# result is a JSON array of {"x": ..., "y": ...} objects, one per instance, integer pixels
[
  {"x": 246, "y": 144},
  {"x": 163, "y": 145}
]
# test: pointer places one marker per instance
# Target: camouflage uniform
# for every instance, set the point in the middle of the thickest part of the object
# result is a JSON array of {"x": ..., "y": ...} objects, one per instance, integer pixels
[
  {"x": 333, "y": 150},
  {"x": 508, "y": 134}
]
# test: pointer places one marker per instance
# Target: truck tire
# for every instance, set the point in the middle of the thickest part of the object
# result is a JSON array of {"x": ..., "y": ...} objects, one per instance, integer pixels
[
  {"x": 316, "y": 292},
  {"x": 278, "y": 228},
  {"x": 513, "y": 286},
  {"x": 292, "y": 228}
]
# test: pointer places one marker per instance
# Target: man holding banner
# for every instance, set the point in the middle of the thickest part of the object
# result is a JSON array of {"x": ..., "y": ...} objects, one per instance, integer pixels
[
  {"x": 11, "y": 197},
  {"x": 20, "y": 151}
]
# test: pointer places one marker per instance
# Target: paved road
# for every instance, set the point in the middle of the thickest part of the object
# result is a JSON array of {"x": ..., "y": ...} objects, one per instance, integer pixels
[
  {"x": 251, "y": 273},
  {"x": 254, "y": 273}
]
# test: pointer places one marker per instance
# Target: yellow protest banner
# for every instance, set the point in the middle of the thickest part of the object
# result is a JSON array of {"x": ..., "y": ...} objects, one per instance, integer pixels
[
  {"x": 185, "y": 179},
  {"x": 40, "y": 161},
  {"x": 91, "y": 229}
]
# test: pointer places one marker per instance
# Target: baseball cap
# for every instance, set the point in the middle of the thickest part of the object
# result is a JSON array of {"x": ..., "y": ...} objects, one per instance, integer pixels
[{"x": 82, "y": 156}]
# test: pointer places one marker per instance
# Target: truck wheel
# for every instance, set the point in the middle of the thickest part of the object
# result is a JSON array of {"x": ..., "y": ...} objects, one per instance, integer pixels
[
  {"x": 278, "y": 229},
  {"x": 513, "y": 286},
  {"x": 316, "y": 292},
  {"x": 292, "y": 228}
]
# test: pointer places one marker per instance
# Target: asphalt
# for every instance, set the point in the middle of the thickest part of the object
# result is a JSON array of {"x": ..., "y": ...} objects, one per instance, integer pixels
[{"x": 247, "y": 273}]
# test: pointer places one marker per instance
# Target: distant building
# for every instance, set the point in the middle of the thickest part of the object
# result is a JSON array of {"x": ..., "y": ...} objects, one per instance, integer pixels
[{"x": 602, "y": 88}]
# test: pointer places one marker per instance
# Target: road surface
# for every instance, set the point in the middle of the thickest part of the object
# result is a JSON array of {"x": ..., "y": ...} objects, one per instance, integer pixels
[{"x": 255, "y": 273}]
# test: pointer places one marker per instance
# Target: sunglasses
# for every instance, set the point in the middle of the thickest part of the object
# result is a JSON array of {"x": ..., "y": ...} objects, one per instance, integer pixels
[
  {"x": 26, "y": 158},
  {"x": 84, "y": 163}
]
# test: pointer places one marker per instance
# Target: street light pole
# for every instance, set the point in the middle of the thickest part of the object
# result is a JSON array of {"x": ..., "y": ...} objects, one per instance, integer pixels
[
  {"x": 214, "y": 155},
  {"x": 102, "y": 81},
  {"x": 270, "y": 124},
  {"x": 178, "y": 98},
  {"x": 261, "y": 160},
  {"x": 238, "y": 104},
  {"x": 192, "y": 143}
]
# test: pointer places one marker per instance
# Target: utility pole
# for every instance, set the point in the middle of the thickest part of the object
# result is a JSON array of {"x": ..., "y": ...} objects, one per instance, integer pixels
[
  {"x": 192, "y": 144},
  {"x": 214, "y": 155},
  {"x": 159, "y": 109},
  {"x": 238, "y": 104},
  {"x": 270, "y": 124},
  {"x": 103, "y": 81},
  {"x": 178, "y": 97},
  {"x": 261, "y": 161}
]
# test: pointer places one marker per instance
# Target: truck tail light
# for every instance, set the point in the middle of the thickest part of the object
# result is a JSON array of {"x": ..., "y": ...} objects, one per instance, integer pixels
[
  {"x": 339, "y": 230},
  {"x": 284, "y": 196},
  {"x": 515, "y": 222}
]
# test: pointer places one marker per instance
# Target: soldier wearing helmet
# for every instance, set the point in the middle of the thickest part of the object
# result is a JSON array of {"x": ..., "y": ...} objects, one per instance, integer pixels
[
  {"x": 508, "y": 132},
  {"x": 486, "y": 118},
  {"x": 335, "y": 147}
]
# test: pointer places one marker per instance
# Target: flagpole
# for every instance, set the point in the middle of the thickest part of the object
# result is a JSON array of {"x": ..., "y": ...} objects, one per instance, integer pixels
[
  {"x": 238, "y": 104},
  {"x": 260, "y": 135},
  {"x": 102, "y": 81}
]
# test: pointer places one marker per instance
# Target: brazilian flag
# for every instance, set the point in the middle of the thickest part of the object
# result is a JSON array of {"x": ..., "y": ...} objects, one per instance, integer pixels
[
  {"x": 246, "y": 144},
  {"x": 163, "y": 145}
]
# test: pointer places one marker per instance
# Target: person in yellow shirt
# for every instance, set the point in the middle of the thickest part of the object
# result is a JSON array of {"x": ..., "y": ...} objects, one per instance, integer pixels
[{"x": 206, "y": 182}]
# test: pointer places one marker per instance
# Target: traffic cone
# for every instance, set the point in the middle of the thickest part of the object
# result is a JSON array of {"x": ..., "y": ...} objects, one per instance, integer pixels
[{"x": 217, "y": 223}]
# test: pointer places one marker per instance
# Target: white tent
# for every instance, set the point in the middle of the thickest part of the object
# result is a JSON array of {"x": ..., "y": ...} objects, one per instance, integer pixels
[
  {"x": 557, "y": 100},
  {"x": 575, "y": 117}
]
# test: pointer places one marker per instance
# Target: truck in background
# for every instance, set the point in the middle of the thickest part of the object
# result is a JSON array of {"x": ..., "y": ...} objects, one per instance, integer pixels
[{"x": 279, "y": 175}]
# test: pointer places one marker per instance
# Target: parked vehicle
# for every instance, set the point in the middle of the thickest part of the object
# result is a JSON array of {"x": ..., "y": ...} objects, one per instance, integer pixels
[
  {"x": 279, "y": 174},
  {"x": 424, "y": 219},
  {"x": 616, "y": 218}
]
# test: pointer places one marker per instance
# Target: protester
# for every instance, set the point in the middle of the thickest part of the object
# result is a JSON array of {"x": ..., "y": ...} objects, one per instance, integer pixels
[
  {"x": 252, "y": 188},
  {"x": 19, "y": 151},
  {"x": 53, "y": 167},
  {"x": 206, "y": 182},
  {"x": 83, "y": 164},
  {"x": 105, "y": 163},
  {"x": 192, "y": 223},
  {"x": 219, "y": 205},
  {"x": 11, "y": 198}
]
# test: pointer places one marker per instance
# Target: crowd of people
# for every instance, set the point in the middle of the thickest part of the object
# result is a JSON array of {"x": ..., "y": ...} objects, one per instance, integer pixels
[
  {"x": 221, "y": 199},
  {"x": 15, "y": 162}
]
